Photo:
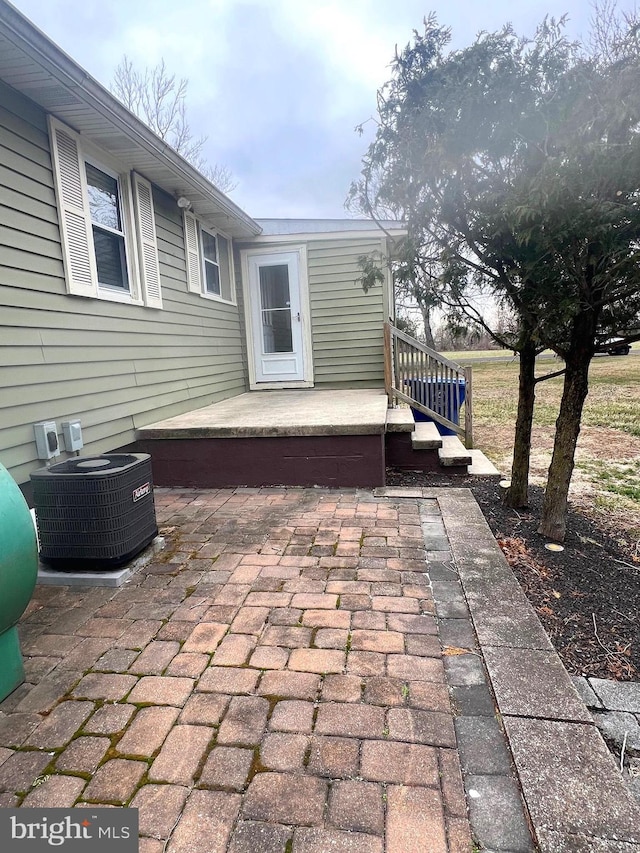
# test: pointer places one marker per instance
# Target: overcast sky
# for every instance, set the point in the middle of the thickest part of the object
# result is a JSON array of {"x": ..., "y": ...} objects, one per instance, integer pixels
[{"x": 278, "y": 85}]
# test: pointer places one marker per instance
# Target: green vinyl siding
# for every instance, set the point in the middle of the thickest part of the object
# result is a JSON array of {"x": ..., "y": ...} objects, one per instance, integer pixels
[
  {"x": 114, "y": 366},
  {"x": 347, "y": 323}
]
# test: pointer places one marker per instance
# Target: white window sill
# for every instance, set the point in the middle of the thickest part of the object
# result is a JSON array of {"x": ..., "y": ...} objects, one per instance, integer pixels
[
  {"x": 215, "y": 298},
  {"x": 114, "y": 296}
]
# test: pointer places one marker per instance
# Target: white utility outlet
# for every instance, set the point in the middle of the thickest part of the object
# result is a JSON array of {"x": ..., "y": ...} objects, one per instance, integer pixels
[
  {"x": 72, "y": 431},
  {"x": 46, "y": 434}
]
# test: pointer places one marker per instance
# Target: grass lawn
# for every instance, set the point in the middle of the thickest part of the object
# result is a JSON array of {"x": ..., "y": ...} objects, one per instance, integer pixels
[{"x": 607, "y": 474}]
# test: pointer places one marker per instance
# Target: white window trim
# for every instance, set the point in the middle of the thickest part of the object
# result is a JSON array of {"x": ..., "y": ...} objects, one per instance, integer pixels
[
  {"x": 87, "y": 152},
  {"x": 133, "y": 291},
  {"x": 195, "y": 260},
  {"x": 204, "y": 261}
]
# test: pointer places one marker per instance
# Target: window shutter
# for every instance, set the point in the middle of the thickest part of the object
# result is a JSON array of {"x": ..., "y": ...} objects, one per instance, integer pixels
[
  {"x": 147, "y": 245},
  {"x": 75, "y": 222},
  {"x": 192, "y": 253}
]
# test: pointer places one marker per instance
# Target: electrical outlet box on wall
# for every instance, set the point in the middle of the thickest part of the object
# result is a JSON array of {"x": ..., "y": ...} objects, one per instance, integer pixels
[
  {"x": 46, "y": 434},
  {"x": 72, "y": 431}
]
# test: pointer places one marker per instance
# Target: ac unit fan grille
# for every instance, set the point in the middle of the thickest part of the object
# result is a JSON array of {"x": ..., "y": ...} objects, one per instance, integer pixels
[{"x": 85, "y": 466}]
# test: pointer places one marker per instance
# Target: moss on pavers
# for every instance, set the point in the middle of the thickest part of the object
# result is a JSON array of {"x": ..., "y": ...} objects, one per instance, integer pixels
[
  {"x": 60, "y": 725},
  {"x": 285, "y": 798},
  {"x": 254, "y": 592},
  {"x": 21, "y": 769}
]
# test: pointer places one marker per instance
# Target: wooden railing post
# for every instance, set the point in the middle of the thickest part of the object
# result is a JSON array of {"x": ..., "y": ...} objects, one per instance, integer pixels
[
  {"x": 388, "y": 364},
  {"x": 468, "y": 407}
]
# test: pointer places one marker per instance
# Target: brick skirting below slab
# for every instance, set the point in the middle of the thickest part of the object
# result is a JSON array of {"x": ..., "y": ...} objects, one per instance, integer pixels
[{"x": 345, "y": 461}]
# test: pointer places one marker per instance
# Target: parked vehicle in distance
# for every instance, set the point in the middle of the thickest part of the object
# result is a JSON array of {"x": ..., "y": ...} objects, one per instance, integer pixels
[{"x": 614, "y": 346}]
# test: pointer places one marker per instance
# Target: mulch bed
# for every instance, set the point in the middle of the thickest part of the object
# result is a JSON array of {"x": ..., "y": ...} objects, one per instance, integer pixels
[{"x": 586, "y": 596}]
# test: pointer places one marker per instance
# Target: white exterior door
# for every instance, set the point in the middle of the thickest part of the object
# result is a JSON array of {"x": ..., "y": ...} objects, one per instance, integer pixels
[{"x": 277, "y": 323}]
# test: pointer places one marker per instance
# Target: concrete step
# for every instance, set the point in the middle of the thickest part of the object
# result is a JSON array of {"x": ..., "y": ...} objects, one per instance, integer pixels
[
  {"x": 453, "y": 452},
  {"x": 426, "y": 436},
  {"x": 481, "y": 466},
  {"x": 400, "y": 420}
]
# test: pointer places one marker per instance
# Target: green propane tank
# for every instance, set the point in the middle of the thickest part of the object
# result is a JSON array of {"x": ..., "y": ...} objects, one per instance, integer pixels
[{"x": 18, "y": 574}]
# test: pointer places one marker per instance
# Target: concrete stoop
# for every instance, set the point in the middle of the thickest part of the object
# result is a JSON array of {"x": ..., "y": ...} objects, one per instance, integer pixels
[
  {"x": 304, "y": 438},
  {"x": 336, "y": 439},
  {"x": 430, "y": 451}
]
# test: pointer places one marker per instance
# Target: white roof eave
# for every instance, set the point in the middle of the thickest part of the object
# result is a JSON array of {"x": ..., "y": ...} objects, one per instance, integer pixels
[{"x": 171, "y": 172}]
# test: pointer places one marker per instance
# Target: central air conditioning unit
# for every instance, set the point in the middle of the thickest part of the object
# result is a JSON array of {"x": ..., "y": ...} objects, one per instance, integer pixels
[{"x": 94, "y": 512}]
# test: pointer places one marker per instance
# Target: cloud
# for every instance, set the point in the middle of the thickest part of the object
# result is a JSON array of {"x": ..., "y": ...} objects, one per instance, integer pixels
[{"x": 277, "y": 85}]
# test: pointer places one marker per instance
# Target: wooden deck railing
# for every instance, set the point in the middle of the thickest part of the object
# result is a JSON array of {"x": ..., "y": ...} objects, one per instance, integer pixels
[{"x": 427, "y": 381}]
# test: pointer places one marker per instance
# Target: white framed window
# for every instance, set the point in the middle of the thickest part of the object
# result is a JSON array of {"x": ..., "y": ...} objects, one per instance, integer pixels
[
  {"x": 209, "y": 261},
  {"x": 107, "y": 227},
  {"x": 106, "y": 221}
]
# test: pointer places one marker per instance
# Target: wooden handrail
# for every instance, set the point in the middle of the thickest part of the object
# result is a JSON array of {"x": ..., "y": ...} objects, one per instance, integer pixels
[{"x": 427, "y": 381}]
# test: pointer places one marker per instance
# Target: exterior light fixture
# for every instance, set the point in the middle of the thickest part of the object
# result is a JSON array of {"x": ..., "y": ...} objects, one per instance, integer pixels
[{"x": 184, "y": 203}]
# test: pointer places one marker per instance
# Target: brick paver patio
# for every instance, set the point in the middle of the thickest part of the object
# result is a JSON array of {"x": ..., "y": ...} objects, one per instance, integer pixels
[{"x": 273, "y": 681}]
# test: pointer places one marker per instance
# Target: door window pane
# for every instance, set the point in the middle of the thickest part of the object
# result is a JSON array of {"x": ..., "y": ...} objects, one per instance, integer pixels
[
  {"x": 276, "y": 331},
  {"x": 276, "y": 311},
  {"x": 274, "y": 286}
]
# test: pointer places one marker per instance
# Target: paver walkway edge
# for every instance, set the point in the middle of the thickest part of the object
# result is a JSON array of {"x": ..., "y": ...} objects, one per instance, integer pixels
[{"x": 574, "y": 792}]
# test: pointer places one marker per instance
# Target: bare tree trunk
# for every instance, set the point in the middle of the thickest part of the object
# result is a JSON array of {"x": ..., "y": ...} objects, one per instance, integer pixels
[
  {"x": 553, "y": 521},
  {"x": 518, "y": 493},
  {"x": 428, "y": 333}
]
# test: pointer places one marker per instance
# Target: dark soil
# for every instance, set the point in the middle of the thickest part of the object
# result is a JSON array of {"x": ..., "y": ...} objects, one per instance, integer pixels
[{"x": 586, "y": 596}]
